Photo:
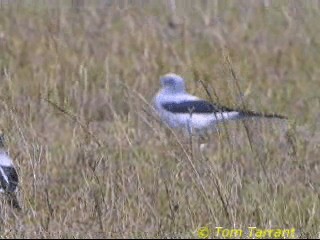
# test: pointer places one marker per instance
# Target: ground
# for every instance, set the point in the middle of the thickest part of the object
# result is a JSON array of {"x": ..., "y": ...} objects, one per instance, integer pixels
[{"x": 77, "y": 79}]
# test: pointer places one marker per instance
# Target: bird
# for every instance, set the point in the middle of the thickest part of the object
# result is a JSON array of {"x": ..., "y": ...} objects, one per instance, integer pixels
[
  {"x": 8, "y": 176},
  {"x": 181, "y": 110}
]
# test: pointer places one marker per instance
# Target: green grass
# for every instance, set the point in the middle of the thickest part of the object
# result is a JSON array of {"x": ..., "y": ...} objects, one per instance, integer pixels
[{"x": 94, "y": 162}]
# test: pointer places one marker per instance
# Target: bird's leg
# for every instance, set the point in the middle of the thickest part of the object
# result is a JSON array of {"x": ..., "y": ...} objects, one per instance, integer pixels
[
  {"x": 190, "y": 131},
  {"x": 217, "y": 129},
  {"x": 189, "y": 124},
  {"x": 189, "y": 127}
]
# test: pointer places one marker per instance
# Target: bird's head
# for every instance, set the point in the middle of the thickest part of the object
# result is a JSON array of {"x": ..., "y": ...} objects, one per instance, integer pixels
[{"x": 172, "y": 83}]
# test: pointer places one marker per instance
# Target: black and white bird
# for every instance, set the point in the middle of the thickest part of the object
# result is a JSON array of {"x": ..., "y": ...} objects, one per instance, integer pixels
[
  {"x": 179, "y": 109},
  {"x": 8, "y": 176}
]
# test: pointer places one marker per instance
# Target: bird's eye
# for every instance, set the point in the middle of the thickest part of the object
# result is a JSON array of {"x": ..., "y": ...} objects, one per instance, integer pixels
[
  {"x": 167, "y": 81},
  {"x": 170, "y": 81}
]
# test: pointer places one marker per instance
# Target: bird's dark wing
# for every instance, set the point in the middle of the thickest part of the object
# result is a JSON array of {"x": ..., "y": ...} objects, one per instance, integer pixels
[
  {"x": 194, "y": 106},
  {"x": 9, "y": 183},
  {"x": 12, "y": 177},
  {"x": 202, "y": 106}
]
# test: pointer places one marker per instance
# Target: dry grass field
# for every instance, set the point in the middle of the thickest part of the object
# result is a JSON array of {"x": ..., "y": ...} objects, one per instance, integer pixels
[{"x": 76, "y": 82}]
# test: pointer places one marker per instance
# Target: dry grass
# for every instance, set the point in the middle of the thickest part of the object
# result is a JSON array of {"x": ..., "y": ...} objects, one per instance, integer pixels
[{"x": 94, "y": 163}]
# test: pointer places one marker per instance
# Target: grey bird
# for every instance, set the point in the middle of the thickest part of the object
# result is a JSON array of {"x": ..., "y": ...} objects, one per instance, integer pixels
[
  {"x": 8, "y": 176},
  {"x": 179, "y": 109}
]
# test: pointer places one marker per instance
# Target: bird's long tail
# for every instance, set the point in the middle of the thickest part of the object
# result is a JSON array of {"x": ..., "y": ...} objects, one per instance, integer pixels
[
  {"x": 13, "y": 201},
  {"x": 248, "y": 113}
]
